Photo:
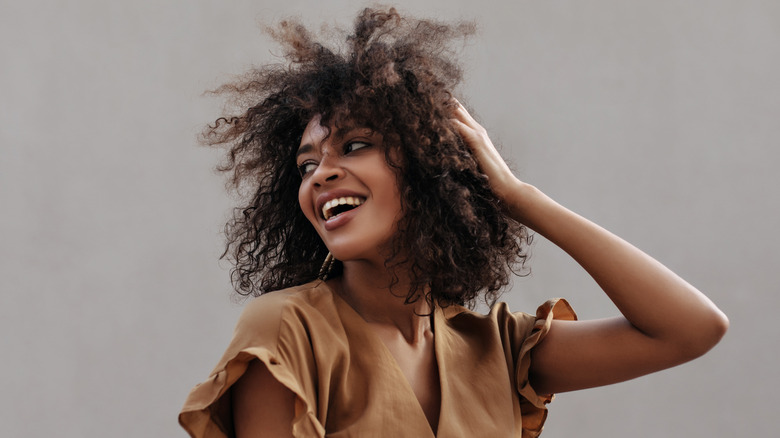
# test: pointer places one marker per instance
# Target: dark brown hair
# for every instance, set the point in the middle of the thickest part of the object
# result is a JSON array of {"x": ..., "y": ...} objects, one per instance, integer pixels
[{"x": 394, "y": 75}]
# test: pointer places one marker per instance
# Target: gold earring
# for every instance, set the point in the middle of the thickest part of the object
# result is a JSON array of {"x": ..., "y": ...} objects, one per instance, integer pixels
[{"x": 327, "y": 265}]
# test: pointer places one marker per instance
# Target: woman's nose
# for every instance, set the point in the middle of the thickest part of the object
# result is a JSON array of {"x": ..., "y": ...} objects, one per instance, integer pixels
[{"x": 327, "y": 171}]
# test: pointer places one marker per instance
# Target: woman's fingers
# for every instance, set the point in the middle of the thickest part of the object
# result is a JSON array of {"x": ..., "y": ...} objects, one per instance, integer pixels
[
  {"x": 476, "y": 138},
  {"x": 472, "y": 132},
  {"x": 460, "y": 114}
]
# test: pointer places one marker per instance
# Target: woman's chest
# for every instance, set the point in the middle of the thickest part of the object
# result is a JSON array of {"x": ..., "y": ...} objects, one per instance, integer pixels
[{"x": 373, "y": 389}]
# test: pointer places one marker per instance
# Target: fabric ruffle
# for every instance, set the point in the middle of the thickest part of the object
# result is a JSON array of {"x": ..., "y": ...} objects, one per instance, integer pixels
[
  {"x": 533, "y": 407},
  {"x": 207, "y": 412}
]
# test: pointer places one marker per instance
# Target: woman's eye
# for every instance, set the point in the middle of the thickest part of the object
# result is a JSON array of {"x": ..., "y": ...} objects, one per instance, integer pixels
[
  {"x": 306, "y": 167},
  {"x": 355, "y": 145}
]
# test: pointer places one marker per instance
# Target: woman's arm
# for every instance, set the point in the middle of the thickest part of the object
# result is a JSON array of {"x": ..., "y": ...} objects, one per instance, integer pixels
[
  {"x": 261, "y": 405},
  {"x": 665, "y": 321}
]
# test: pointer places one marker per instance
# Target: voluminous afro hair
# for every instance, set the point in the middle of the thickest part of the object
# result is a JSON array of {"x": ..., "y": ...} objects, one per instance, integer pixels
[{"x": 393, "y": 75}]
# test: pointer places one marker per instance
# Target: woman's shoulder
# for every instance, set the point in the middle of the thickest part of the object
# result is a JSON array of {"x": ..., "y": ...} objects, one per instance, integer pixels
[
  {"x": 283, "y": 320},
  {"x": 288, "y": 308},
  {"x": 501, "y": 321},
  {"x": 308, "y": 296},
  {"x": 276, "y": 328}
]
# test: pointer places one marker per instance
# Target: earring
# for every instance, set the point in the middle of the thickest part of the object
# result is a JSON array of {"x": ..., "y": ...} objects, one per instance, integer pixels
[{"x": 327, "y": 265}]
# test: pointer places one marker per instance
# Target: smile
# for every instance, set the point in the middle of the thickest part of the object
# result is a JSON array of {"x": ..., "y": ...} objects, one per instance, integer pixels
[{"x": 336, "y": 206}]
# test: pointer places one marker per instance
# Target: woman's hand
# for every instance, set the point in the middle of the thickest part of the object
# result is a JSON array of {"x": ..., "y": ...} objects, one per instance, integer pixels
[{"x": 502, "y": 181}]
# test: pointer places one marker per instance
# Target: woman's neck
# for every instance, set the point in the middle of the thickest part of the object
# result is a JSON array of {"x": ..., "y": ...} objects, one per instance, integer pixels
[{"x": 368, "y": 290}]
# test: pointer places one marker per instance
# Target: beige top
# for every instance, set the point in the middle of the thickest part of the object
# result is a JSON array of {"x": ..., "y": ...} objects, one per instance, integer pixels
[{"x": 347, "y": 383}]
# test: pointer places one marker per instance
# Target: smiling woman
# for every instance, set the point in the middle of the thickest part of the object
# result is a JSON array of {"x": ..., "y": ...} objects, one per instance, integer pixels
[
  {"x": 348, "y": 191},
  {"x": 364, "y": 160}
]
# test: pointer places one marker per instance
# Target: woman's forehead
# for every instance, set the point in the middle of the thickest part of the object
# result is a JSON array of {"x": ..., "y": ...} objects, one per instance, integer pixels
[{"x": 315, "y": 133}]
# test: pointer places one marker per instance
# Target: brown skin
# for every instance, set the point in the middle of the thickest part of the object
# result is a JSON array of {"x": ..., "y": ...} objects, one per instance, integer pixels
[
  {"x": 269, "y": 415},
  {"x": 664, "y": 320},
  {"x": 352, "y": 162}
]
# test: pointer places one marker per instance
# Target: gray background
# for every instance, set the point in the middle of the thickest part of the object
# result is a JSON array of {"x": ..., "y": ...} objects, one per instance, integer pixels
[{"x": 656, "y": 119}]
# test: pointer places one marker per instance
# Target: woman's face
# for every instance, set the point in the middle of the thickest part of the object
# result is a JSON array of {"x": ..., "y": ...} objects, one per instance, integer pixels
[{"x": 348, "y": 191}]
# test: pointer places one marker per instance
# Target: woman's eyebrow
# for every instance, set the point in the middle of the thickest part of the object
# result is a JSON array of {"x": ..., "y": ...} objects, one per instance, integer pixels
[
  {"x": 360, "y": 130},
  {"x": 339, "y": 135},
  {"x": 305, "y": 149}
]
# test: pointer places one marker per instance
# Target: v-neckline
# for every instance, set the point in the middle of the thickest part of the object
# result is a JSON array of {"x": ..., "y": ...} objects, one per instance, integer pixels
[{"x": 436, "y": 327}]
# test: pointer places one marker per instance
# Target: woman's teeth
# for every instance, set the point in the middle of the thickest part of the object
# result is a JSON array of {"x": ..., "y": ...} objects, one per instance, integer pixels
[{"x": 329, "y": 209}]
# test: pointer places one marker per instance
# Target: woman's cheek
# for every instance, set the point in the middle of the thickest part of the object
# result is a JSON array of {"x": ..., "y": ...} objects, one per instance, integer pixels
[{"x": 304, "y": 201}]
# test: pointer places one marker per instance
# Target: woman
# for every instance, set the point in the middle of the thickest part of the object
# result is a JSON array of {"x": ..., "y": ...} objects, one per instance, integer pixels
[{"x": 364, "y": 160}]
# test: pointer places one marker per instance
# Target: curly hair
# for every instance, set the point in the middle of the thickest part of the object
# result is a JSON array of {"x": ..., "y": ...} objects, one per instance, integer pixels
[{"x": 394, "y": 75}]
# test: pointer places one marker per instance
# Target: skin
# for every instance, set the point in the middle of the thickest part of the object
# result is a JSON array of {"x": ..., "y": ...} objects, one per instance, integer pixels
[
  {"x": 354, "y": 163},
  {"x": 664, "y": 320},
  {"x": 350, "y": 163}
]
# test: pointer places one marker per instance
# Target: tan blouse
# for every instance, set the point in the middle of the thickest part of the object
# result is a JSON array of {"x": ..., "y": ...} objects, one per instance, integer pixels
[{"x": 347, "y": 383}]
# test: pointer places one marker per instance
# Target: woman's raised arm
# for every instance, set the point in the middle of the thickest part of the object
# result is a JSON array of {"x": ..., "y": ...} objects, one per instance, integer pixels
[{"x": 665, "y": 321}]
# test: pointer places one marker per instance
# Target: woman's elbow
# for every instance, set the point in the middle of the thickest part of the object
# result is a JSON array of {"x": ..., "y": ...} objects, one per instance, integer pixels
[{"x": 705, "y": 335}]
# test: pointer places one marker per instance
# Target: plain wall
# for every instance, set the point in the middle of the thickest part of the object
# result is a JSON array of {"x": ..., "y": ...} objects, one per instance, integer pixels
[{"x": 658, "y": 120}]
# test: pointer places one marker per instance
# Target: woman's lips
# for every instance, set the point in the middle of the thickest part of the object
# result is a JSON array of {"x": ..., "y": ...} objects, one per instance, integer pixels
[
  {"x": 335, "y": 195},
  {"x": 340, "y": 219},
  {"x": 329, "y": 208}
]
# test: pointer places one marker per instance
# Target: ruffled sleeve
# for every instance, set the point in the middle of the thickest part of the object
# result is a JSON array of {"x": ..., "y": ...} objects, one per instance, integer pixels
[
  {"x": 533, "y": 405},
  {"x": 269, "y": 331}
]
